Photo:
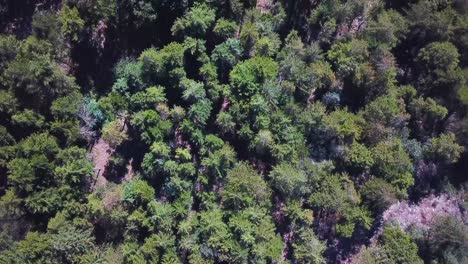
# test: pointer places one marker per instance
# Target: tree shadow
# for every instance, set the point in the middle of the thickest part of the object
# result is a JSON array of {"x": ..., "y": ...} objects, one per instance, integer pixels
[{"x": 116, "y": 168}]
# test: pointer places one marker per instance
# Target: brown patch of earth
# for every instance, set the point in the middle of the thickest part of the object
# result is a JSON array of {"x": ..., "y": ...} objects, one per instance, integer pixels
[
  {"x": 264, "y": 5},
  {"x": 100, "y": 154}
]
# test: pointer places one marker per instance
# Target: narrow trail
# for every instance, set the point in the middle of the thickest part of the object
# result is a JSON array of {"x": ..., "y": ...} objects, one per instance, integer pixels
[{"x": 100, "y": 154}]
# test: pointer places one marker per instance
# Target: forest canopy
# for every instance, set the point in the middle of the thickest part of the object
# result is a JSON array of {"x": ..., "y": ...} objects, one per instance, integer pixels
[{"x": 234, "y": 131}]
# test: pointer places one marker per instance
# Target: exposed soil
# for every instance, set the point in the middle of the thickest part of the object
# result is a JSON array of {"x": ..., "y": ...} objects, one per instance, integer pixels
[
  {"x": 100, "y": 154},
  {"x": 264, "y": 5}
]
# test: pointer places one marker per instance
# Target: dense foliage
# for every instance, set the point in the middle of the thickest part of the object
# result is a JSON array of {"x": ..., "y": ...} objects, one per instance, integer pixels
[{"x": 240, "y": 131}]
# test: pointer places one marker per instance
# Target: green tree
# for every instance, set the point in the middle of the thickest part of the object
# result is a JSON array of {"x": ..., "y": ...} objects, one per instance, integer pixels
[
  {"x": 67, "y": 107},
  {"x": 342, "y": 125},
  {"x": 322, "y": 75},
  {"x": 32, "y": 168},
  {"x": 46, "y": 26},
  {"x": 255, "y": 231},
  {"x": 35, "y": 248},
  {"x": 289, "y": 181},
  {"x": 448, "y": 239},
  {"x": 163, "y": 66},
  {"x": 128, "y": 77},
  {"x": 196, "y": 22},
  {"x": 148, "y": 98},
  {"x": 109, "y": 107},
  {"x": 225, "y": 29},
  {"x": 67, "y": 131},
  {"x": 137, "y": 193},
  {"x": 157, "y": 246},
  {"x": 378, "y": 195},
  {"x": 435, "y": 21},
  {"x": 358, "y": 157},
  {"x": 7, "y": 142},
  {"x": 249, "y": 36},
  {"x": 46, "y": 178},
  {"x": 426, "y": 114},
  {"x": 220, "y": 161},
  {"x": 439, "y": 73},
  {"x": 244, "y": 187},
  {"x": 393, "y": 164},
  {"x": 9, "y": 48},
  {"x": 137, "y": 14},
  {"x": 161, "y": 216},
  {"x": 215, "y": 235},
  {"x": 151, "y": 125},
  {"x": 193, "y": 91},
  {"x": 327, "y": 31},
  {"x": 308, "y": 248},
  {"x": 114, "y": 133},
  {"x": 71, "y": 22},
  {"x": 69, "y": 241},
  {"x": 225, "y": 122},
  {"x": 336, "y": 194},
  {"x": 8, "y": 102},
  {"x": 28, "y": 120},
  {"x": 397, "y": 247},
  {"x": 35, "y": 78},
  {"x": 73, "y": 170},
  {"x": 153, "y": 161},
  {"x": 200, "y": 112},
  {"x": 268, "y": 46},
  {"x": 387, "y": 30},
  {"x": 263, "y": 141},
  {"x": 247, "y": 76},
  {"x": 444, "y": 148},
  {"x": 347, "y": 56},
  {"x": 385, "y": 116},
  {"x": 226, "y": 55},
  {"x": 385, "y": 110}
]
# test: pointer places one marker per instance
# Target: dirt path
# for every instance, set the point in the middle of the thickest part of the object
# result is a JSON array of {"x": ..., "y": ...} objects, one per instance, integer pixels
[{"x": 100, "y": 154}]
